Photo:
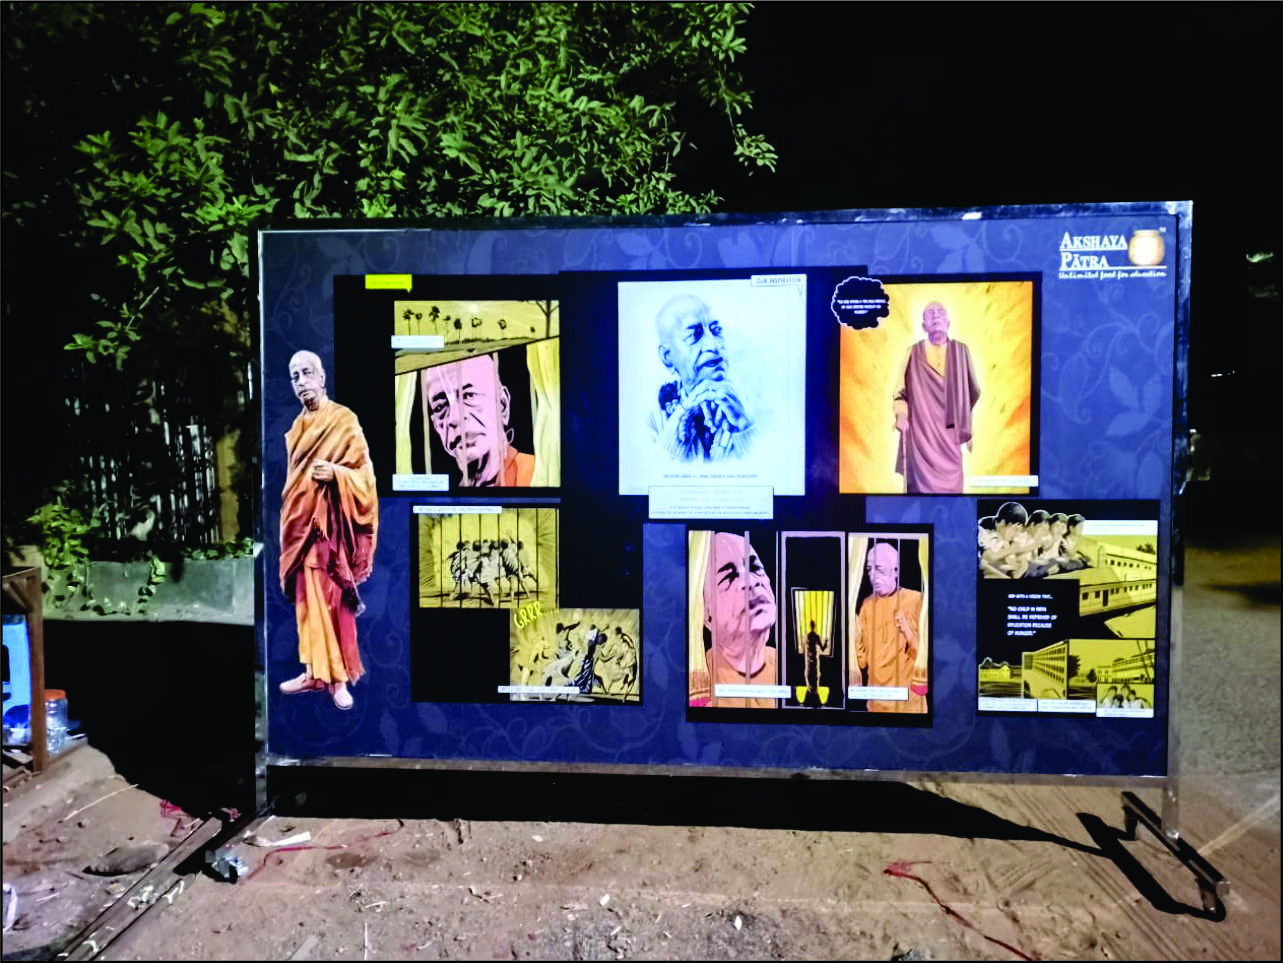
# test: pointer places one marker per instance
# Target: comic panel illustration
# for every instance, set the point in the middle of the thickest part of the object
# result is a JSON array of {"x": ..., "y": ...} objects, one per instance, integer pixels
[
  {"x": 889, "y": 623},
  {"x": 813, "y": 658},
  {"x": 833, "y": 622},
  {"x": 1127, "y": 698},
  {"x": 715, "y": 392},
  {"x": 575, "y": 655},
  {"x": 733, "y": 648},
  {"x": 1104, "y": 677},
  {"x": 489, "y": 558},
  {"x": 1066, "y": 590},
  {"x": 485, "y": 409},
  {"x": 1112, "y": 562},
  {"x": 453, "y": 329},
  {"x": 937, "y": 386}
]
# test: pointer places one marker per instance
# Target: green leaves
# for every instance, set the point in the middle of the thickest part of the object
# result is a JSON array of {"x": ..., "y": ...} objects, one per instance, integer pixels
[
  {"x": 63, "y": 536},
  {"x": 411, "y": 110},
  {"x": 182, "y": 128}
]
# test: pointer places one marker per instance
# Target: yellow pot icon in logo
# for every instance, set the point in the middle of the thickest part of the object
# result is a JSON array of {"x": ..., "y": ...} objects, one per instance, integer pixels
[{"x": 1146, "y": 248}]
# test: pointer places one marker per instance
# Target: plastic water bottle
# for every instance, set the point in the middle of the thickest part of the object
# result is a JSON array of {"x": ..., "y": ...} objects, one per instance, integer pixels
[{"x": 55, "y": 720}]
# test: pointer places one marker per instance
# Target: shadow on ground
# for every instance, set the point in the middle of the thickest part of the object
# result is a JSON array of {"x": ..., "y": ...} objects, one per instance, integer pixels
[
  {"x": 756, "y": 803},
  {"x": 169, "y": 703},
  {"x": 1262, "y": 594},
  {"x": 1110, "y": 841}
]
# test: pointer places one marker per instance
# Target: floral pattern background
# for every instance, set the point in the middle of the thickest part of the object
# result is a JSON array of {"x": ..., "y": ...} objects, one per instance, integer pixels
[{"x": 1110, "y": 384}]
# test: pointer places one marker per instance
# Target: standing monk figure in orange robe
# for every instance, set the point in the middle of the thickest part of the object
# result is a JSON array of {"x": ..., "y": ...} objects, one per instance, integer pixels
[
  {"x": 886, "y": 644},
  {"x": 329, "y": 527}
]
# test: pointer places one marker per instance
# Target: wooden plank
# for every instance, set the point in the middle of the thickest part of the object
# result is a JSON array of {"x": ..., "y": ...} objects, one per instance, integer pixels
[{"x": 90, "y": 942}]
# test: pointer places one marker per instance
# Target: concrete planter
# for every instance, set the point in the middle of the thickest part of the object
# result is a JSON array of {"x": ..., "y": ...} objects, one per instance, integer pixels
[
  {"x": 207, "y": 590},
  {"x": 193, "y": 590},
  {"x": 117, "y": 588}
]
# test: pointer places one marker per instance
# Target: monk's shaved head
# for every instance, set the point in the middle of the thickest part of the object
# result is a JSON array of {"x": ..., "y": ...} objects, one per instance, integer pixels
[
  {"x": 884, "y": 568},
  {"x": 935, "y": 322},
  {"x": 307, "y": 376},
  {"x": 673, "y": 309},
  {"x": 310, "y": 356},
  {"x": 690, "y": 341}
]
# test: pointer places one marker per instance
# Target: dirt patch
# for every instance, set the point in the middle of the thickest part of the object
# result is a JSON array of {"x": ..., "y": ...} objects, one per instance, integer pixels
[
  {"x": 350, "y": 860},
  {"x": 436, "y": 889},
  {"x": 65, "y": 830}
]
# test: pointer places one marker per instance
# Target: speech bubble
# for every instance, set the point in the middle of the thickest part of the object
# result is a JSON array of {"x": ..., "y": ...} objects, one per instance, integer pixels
[{"x": 859, "y": 302}]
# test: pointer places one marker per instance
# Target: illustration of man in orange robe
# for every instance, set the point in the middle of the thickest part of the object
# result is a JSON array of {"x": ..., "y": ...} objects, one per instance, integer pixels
[
  {"x": 886, "y": 645},
  {"x": 329, "y": 527}
]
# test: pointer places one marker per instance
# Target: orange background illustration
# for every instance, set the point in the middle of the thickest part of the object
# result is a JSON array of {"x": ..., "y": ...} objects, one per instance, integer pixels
[{"x": 994, "y": 319}]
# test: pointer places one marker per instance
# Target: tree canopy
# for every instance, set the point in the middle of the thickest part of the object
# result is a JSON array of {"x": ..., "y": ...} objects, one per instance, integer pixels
[{"x": 144, "y": 142}]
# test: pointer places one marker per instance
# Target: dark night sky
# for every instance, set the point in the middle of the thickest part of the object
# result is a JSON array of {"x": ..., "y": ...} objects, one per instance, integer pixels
[{"x": 960, "y": 105}]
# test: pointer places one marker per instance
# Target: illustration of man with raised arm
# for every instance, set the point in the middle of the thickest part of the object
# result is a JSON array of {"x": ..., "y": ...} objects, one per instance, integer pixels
[
  {"x": 698, "y": 414},
  {"x": 933, "y": 408},
  {"x": 329, "y": 529}
]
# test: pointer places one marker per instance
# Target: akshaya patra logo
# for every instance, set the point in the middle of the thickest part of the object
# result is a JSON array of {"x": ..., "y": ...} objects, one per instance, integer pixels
[{"x": 1100, "y": 257}]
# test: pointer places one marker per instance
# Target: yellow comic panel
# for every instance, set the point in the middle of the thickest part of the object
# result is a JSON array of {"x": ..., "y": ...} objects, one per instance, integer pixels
[
  {"x": 488, "y": 420},
  {"x": 505, "y": 559},
  {"x": 1075, "y": 668},
  {"x": 594, "y": 651},
  {"x": 1120, "y": 585},
  {"x": 471, "y": 327}
]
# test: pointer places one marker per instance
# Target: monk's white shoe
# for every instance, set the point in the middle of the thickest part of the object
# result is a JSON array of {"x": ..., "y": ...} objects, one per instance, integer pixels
[
  {"x": 342, "y": 698},
  {"x": 302, "y": 683}
]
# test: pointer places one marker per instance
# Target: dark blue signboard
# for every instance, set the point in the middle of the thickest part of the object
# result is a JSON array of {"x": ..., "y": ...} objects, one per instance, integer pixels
[{"x": 877, "y": 490}]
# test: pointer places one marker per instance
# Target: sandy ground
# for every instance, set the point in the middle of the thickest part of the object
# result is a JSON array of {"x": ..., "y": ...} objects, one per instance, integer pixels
[
  {"x": 1001, "y": 871},
  {"x": 515, "y": 866}
]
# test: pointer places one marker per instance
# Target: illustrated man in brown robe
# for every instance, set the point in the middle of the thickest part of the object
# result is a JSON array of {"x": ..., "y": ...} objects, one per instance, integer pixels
[
  {"x": 329, "y": 528},
  {"x": 886, "y": 645},
  {"x": 933, "y": 408}
]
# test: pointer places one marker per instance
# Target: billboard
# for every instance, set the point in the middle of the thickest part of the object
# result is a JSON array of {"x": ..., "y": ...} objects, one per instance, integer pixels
[{"x": 850, "y": 491}]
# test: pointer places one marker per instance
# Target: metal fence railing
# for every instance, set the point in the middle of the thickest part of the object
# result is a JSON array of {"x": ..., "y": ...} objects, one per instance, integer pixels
[{"x": 147, "y": 459}]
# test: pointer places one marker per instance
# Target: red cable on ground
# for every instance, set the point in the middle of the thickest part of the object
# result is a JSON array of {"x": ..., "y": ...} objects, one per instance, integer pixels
[
  {"x": 901, "y": 869},
  {"x": 400, "y": 824},
  {"x": 169, "y": 811}
]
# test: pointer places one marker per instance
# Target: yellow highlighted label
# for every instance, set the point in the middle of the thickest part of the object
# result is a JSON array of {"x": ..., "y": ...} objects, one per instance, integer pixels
[{"x": 388, "y": 282}]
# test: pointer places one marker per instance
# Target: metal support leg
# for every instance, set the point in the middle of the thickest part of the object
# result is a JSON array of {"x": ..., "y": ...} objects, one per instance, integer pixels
[{"x": 1212, "y": 886}]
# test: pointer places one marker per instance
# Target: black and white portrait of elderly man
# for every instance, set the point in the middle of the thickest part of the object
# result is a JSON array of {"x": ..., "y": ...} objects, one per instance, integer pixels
[
  {"x": 698, "y": 415},
  {"x": 712, "y": 386}
]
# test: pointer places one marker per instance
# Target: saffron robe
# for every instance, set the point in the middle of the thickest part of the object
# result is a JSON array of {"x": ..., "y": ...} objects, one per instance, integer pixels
[
  {"x": 328, "y": 535},
  {"x": 720, "y": 671},
  {"x": 939, "y": 409},
  {"x": 883, "y": 651},
  {"x": 518, "y": 469}
]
